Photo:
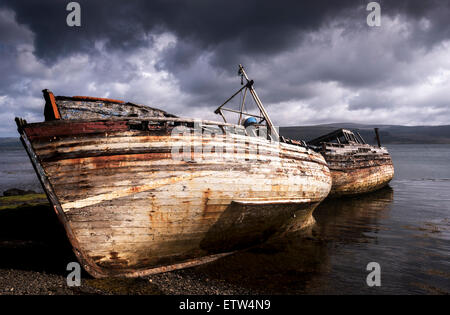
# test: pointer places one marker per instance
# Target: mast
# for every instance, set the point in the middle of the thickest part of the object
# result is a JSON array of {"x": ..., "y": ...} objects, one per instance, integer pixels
[{"x": 249, "y": 86}]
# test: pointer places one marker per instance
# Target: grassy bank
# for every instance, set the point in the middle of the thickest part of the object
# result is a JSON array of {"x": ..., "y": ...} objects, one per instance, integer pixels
[{"x": 28, "y": 200}]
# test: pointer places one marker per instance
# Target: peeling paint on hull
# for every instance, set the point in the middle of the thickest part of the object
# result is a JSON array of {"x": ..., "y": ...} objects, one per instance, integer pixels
[
  {"x": 357, "y": 168},
  {"x": 130, "y": 208}
]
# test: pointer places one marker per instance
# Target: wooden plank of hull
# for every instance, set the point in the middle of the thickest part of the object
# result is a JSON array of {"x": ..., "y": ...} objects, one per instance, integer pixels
[
  {"x": 83, "y": 107},
  {"x": 138, "y": 210},
  {"x": 357, "y": 168}
]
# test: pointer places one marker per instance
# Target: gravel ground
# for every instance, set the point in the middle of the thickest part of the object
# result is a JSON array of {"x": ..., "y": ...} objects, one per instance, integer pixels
[
  {"x": 34, "y": 252},
  {"x": 191, "y": 281},
  {"x": 23, "y": 282}
]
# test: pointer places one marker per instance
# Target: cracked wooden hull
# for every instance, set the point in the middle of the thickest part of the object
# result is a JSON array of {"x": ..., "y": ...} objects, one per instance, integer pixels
[
  {"x": 357, "y": 168},
  {"x": 131, "y": 207}
]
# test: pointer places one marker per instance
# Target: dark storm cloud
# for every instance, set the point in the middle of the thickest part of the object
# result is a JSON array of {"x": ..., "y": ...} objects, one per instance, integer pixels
[
  {"x": 260, "y": 27},
  {"x": 233, "y": 31},
  {"x": 311, "y": 60}
]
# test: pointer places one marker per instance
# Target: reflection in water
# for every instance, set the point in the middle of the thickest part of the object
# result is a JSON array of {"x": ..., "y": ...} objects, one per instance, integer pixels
[
  {"x": 349, "y": 219},
  {"x": 302, "y": 262}
]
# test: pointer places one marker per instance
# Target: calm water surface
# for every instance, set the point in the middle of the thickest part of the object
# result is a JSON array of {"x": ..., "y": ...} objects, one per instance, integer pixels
[
  {"x": 16, "y": 170},
  {"x": 404, "y": 228}
]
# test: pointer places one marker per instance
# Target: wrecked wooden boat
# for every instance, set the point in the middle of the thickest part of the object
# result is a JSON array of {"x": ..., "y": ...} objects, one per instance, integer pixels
[
  {"x": 356, "y": 167},
  {"x": 142, "y": 194}
]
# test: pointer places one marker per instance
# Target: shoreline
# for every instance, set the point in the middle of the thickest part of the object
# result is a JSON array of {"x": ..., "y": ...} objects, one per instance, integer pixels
[{"x": 37, "y": 251}]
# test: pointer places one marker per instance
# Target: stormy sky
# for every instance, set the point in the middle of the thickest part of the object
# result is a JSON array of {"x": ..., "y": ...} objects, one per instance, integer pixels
[{"x": 312, "y": 61}]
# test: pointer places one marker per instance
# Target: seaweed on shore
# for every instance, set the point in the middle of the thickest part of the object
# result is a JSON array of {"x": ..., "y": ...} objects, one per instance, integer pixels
[{"x": 20, "y": 201}]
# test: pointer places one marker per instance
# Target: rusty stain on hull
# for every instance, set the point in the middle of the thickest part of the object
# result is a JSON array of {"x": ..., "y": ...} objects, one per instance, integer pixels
[{"x": 130, "y": 208}]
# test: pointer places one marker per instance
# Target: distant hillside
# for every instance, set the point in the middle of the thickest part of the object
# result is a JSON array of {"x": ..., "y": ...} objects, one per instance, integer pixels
[
  {"x": 388, "y": 133},
  {"x": 10, "y": 143}
]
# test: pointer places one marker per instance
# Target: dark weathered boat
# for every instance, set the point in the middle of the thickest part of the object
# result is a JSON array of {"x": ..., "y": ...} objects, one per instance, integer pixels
[
  {"x": 356, "y": 167},
  {"x": 140, "y": 191}
]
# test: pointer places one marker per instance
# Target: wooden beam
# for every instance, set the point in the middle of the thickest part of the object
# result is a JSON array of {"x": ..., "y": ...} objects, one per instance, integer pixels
[{"x": 51, "y": 111}]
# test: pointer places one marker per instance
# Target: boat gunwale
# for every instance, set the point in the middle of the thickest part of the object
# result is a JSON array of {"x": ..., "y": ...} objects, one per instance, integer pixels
[
  {"x": 318, "y": 157},
  {"x": 136, "y": 119}
]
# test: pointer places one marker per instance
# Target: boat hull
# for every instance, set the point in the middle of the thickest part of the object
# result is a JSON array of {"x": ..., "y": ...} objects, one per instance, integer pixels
[
  {"x": 358, "y": 181},
  {"x": 357, "y": 168},
  {"x": 131, "y": 206}
]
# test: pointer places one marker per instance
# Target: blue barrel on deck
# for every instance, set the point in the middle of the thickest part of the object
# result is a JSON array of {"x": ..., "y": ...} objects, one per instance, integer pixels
[{"x": 250, "y": 121}]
